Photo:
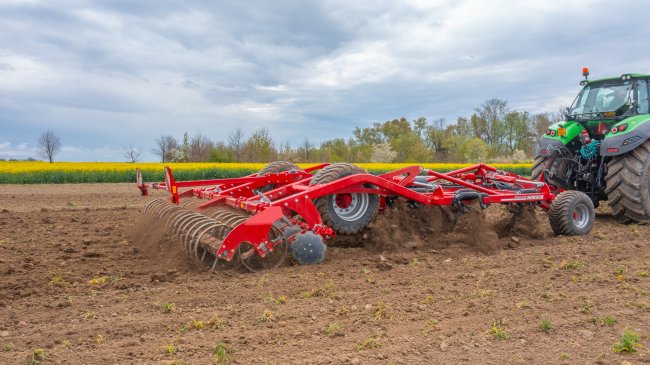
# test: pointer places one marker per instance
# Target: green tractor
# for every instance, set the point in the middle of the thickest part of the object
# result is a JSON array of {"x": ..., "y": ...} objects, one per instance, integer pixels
[{"x": 603, "y": 148}]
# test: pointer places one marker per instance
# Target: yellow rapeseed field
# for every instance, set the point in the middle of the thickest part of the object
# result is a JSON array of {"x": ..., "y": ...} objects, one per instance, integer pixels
[{"x": 22, "y": 172}]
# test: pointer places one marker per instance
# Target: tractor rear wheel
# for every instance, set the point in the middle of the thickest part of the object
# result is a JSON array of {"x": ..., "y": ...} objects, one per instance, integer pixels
[
  {"x": 276, "y": 167},
  {"x": 538, "y": 167},
  {"x": 555, "y": 167},
  {"x": 346, "y": 213},
  {"x": 572, "y": 213},
  {"x": 628, "y": 180}
]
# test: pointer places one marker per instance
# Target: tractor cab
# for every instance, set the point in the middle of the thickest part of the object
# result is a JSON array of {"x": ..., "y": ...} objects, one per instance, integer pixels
[{"x": 603, "y": 103}]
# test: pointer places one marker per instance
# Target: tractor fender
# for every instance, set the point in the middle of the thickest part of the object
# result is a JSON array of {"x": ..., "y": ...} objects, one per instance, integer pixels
[
  {"x": 618, "y": 144},
  {"x": 547, "y": 145}
]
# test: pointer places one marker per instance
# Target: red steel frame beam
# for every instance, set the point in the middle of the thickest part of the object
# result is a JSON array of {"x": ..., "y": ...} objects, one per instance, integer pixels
[
  {"x": 241, "y": 191},
  {"x": 291, "y": 195}
]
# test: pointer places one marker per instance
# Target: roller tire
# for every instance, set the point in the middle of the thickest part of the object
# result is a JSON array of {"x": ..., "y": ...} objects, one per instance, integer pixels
[
  {"x": 276, "y": 167},
  {"x": 572, "y": 213},
  {"x": 327, "y": 205},
  {"x": 628, "y": 191}
]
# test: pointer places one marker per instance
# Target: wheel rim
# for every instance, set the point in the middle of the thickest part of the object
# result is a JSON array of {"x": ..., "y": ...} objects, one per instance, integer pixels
[
  {"x": 580, "y": 216},
  {"x": 350, "y": 207}
]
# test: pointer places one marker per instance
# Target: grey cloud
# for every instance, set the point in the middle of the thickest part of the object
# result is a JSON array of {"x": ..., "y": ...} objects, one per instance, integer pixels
[{"x": 112, "y": 73}]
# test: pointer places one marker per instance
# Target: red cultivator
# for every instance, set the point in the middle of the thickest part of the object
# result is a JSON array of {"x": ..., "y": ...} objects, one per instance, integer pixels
[{"x": 260, "y": 217}]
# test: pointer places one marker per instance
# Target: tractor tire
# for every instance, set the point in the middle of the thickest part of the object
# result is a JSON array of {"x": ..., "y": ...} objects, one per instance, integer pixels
[
  {"x": 275, "y": 168},
  {"x": 538, "y": 167},
  {"x": 572, "y": 213},
  {"x": 555, "y": 174},
  {"x": 344, "y": 213},
  {"x": 628, "y": 190}
]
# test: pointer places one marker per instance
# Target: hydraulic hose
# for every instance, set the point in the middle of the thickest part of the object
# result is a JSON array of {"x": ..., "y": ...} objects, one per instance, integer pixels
[{"x": 462, "y": 195}]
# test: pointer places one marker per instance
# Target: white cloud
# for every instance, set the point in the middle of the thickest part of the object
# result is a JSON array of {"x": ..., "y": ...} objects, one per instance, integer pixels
[
  {"x": 20, "y": 151},
  {"x": 78, "y": 153},
  {"x": 118, "y": 73}
]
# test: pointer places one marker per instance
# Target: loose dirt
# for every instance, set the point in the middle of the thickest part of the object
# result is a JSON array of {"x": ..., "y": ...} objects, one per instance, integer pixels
[
  {"x": 150, "y": 240},
  {"x": 523, "y": 222},
  {"x": 88, "y": 280}
]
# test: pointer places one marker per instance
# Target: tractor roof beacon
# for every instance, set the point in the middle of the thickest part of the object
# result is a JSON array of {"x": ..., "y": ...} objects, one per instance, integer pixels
[{"x": 602, "y": 148}]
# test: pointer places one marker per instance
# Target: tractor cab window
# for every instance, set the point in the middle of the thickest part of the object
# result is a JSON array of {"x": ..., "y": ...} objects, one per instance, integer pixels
[
  {"x": 604, "y": 96},
  {"x": 642, "y": 87}
]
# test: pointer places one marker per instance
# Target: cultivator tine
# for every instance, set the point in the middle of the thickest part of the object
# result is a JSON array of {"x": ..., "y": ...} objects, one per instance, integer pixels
[
  {"x": 213, "y": 268},
  {"x": 206, "y": 238},
  {"x": 163, "y": 213},
  {"x": 154, "y": 204},
  {"x": 197, "y": 234},
  {"x": 190, "y": 204},
  {"x": 187, "y": 234},
  {"x": 234, "y": 221},
  {"x": 182, "y": 221},
  {"x": 218, "y": 215},
  {"x": 194, "y": 237},
  {"x": 173, "y": 216},
  {"x": 228, "y": 218},
  {"x": 224, "y": 215}
]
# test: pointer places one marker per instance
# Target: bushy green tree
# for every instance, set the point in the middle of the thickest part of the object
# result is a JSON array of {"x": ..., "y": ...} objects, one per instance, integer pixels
[{"x": 493, "y": 131}]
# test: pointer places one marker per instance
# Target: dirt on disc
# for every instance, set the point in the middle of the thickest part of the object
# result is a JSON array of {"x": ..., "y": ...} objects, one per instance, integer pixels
[{"x": 86, "y": 279}]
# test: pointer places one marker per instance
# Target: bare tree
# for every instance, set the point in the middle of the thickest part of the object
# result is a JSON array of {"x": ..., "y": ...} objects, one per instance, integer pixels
[
  {"x": 164, "y": 146},
  {"x": 49, "y": 144},
  {"x": 305, "y": 150},
  {"x": 236, "y": 143},
  {"x": 132, "y": 154},
  {"x": 200, "y": 148}
]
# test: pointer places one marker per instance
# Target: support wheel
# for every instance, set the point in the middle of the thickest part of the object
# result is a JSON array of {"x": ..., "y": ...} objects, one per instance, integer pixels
[
  {"x": 572, "y": 213},
  {"x": 275, "y": 168},
  {"x": 345, "y": 213},
  {"x": 628, "y": 185}
]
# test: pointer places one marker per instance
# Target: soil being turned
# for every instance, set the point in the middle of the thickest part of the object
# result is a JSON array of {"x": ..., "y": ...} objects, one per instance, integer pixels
[{"x": 86, "y": 279}]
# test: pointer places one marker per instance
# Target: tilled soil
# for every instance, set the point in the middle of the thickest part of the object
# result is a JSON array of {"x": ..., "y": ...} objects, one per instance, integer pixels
[{"x": 89, "y": 281}]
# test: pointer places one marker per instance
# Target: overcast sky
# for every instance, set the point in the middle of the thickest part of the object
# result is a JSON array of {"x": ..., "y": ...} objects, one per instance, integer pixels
[{"x": 107, "y": 74}]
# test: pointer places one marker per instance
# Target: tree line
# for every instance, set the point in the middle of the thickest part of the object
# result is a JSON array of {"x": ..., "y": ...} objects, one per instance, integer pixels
[{"x": 494, "y": 132}]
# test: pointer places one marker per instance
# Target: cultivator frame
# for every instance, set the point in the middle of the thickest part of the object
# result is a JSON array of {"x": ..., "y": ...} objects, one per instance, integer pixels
[{"x": 284, "y": 202}]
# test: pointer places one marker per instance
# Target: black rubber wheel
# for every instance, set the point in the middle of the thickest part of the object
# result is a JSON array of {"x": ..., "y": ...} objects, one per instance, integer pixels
[
  {"x": 275, "y": 168},
  {"x": 628, "y": 180},
  {"x": 555, "y": 169},
  {"x": 345, "y": 213},
  {"x": 572, "y": 213},
  {"x": 538, "y": 167}
]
